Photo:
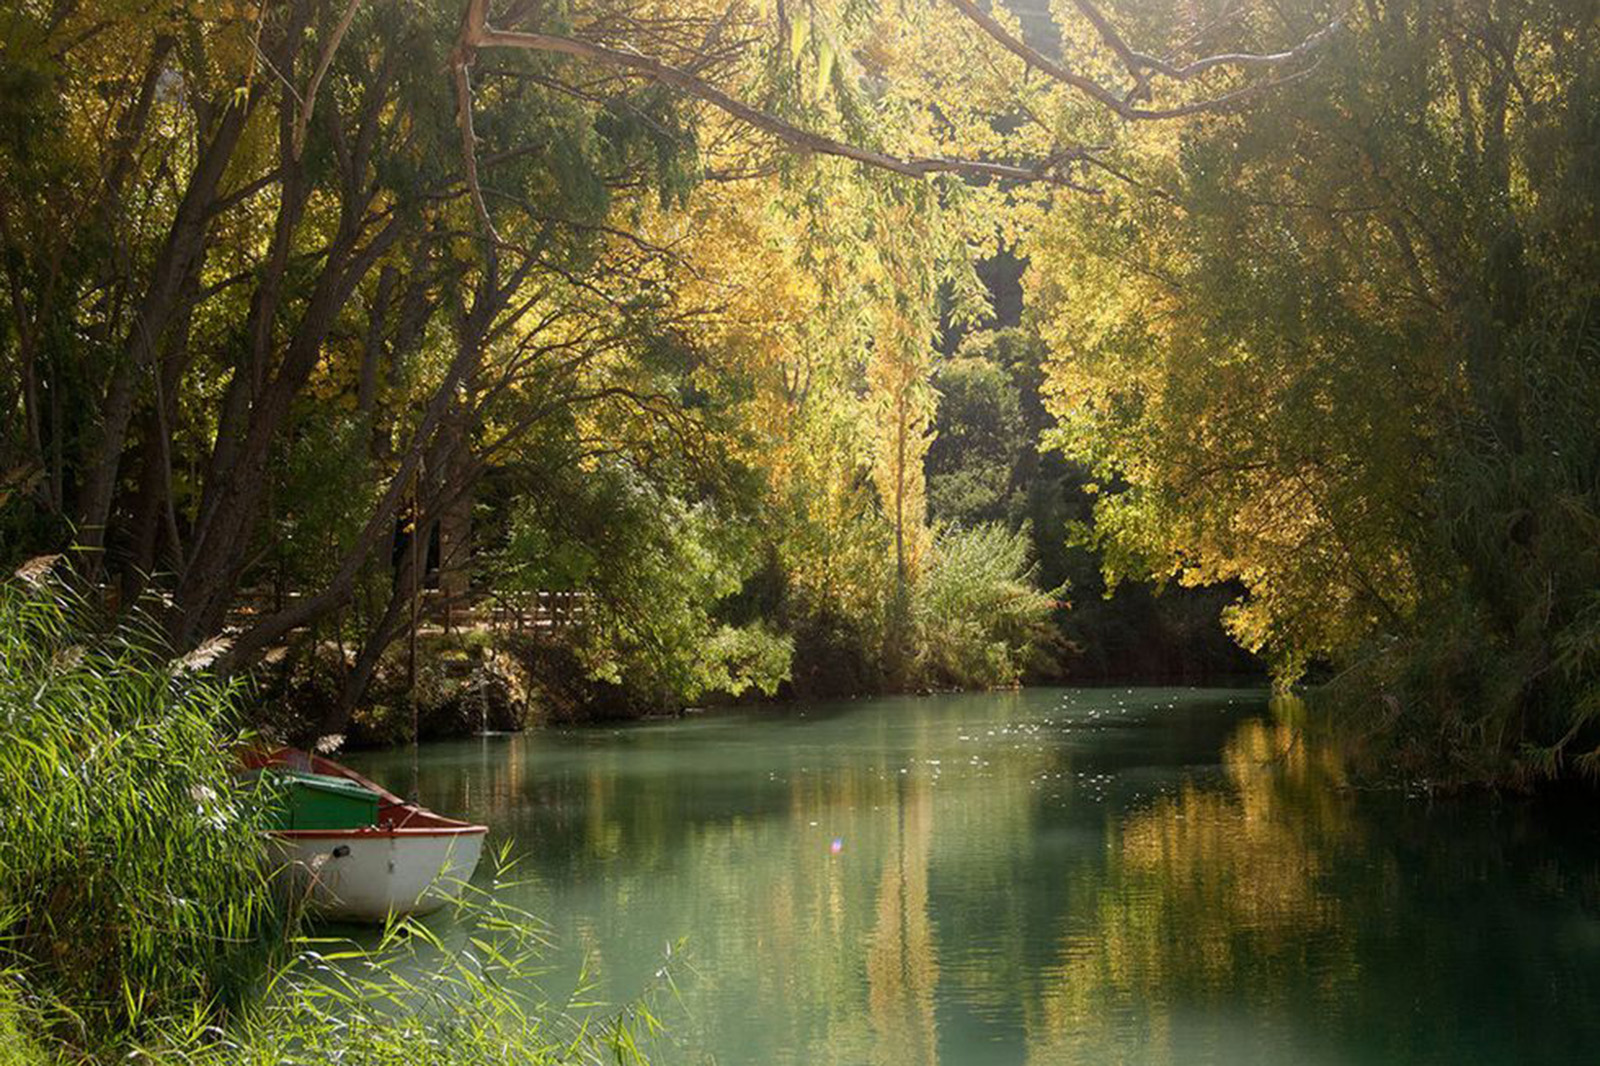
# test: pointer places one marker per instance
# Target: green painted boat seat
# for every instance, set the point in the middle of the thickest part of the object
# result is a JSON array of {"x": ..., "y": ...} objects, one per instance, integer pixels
[{"x": 318, "y": 801}]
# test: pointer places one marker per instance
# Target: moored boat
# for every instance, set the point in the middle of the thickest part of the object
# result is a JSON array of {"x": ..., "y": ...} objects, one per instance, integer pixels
[{"x": 402, "y": 860}]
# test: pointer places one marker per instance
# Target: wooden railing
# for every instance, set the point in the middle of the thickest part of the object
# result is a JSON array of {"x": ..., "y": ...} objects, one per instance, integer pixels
[
  {"x": 543, "y": 609},
  {"x": 515, "y": 611}
]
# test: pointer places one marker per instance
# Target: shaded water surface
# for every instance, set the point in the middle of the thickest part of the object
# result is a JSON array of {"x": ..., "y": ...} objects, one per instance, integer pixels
[{"x": 1052, "y": 876}]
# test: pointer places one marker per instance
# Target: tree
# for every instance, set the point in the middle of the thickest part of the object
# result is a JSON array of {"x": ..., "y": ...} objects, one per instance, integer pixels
[
  {"x": 298, "y": 248},
  {"x": 248, "y": 251},
  {"x": 1336, "y": 383}
]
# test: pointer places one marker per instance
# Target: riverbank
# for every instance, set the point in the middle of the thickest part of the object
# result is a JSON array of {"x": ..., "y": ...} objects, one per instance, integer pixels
[
  {"x": 1046, "y": 872},
  {"x": 471, "y": 681},
  {"x": 139, "y": 917}
]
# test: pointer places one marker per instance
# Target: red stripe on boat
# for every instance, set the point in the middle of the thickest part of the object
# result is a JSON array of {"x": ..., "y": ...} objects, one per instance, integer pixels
[{"x": 396, "y": 817}]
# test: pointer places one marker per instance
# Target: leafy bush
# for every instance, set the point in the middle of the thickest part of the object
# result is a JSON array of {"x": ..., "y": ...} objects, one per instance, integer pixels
[
  {"x": 131, "y": 873},
  {"x": 977, "y": 611},
  {"x": 654, "y": 570}
]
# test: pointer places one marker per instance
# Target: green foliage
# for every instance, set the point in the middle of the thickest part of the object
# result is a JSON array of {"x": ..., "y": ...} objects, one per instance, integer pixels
[
  {"x": 132, "y": 879},
  {"x": 979, "y": 439},
  {"x": 18, "y": 1044},
  {"x": 1361, "y": 390},
  {"x": 412, "y": 998},
  {"x": 978, "y": 611},
  {"x": 652, "y": 569},
  {"x": 748, "y": 657},
  {"x": 1505, "y": 677},
  {"x": 326, "y": 491}
]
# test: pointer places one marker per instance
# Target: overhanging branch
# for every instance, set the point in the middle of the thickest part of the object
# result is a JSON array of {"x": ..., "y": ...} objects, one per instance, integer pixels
[
  {"x": 476, "y": 33},
  {"x": 1143, "y": 67}
]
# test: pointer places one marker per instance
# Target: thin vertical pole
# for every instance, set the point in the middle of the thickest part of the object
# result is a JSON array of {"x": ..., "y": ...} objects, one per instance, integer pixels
[
  {"x": 411, "y": 651},
  {"x": 416, "y": 583}
]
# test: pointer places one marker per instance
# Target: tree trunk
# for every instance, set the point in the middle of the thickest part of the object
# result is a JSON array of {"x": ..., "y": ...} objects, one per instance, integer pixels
[
  {"x": 455, "y": 521},
  {"x": 172, "y": 274}
]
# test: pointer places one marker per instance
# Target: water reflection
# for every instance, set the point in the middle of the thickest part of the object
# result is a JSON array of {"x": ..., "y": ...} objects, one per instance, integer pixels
[
  {"x": 1103, "y": 876},
  {"x": 1215, "y": 896}
]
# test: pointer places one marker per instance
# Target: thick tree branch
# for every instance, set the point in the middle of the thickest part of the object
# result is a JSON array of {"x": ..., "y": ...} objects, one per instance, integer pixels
[
  {"x": 1142, "y": 66},
  {"x": 476, "y": 34},
  {"x": 460, "y": 65}
]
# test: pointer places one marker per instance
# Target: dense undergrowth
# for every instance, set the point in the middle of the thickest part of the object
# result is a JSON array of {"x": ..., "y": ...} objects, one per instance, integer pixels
[
  {"x": 138, "y": 920},
  {"x": 1497, "y": 678},
  {"x": 129, "y": 858},
  {"x": 980, "y": 615},
  {"x": 974, "y": 617}
]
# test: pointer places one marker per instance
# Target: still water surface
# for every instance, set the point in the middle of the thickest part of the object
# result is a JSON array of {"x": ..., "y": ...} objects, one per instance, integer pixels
[{"x": 1054, "y": 876}]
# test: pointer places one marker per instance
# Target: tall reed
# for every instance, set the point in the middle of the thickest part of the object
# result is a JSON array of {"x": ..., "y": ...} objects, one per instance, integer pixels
[
  {"x": 131, "y": 866},
  {"x": 137, "y": 915},
  {"x": 414, "y": 996}
]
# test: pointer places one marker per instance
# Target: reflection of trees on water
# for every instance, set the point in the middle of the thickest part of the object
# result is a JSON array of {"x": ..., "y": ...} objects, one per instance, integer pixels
[
  {"x": 840, "y": 954},
  {"x": 902, "y": 960},
  {"x": 1264, "y": 902},
  {"x": 1209, "y": 896}
]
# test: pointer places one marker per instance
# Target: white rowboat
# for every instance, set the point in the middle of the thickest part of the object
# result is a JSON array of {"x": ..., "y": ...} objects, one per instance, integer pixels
[{"x": 412, "y": 861}]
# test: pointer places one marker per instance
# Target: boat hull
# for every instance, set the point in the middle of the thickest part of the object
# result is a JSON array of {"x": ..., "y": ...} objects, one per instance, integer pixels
[
  {"x": 373, "y": 875},
  {"x": 411, "y": 861}
]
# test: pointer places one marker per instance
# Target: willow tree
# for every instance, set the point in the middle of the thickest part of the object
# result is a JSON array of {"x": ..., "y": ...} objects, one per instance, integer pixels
[
  {"x": 1343, "y": 352},
  {"x": 241, "y": 238},
  {"x": 945, "y": 92}
]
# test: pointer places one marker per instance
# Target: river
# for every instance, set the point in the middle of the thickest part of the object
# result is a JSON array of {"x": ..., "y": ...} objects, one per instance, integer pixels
[{"x": 1051, "y": 876}]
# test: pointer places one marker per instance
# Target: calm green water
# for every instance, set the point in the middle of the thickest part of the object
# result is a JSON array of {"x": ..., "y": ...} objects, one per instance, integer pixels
[{"x": 1052, "y": 876}]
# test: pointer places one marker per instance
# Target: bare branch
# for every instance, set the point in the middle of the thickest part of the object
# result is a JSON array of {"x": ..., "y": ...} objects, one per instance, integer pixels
[
  {"x": 297, "y": 142},
  {"x": 476, "y": 33},
  {"x": 1142, "y": 66},
  {"x": 460, "y": 62},
  {"x": 1038, "y": 60}
]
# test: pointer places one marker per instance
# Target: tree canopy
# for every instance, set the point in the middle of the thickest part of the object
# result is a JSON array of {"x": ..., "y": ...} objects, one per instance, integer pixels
[
  {"x": 321, "y": 309},
  {"x": 1342, "y": 350}
]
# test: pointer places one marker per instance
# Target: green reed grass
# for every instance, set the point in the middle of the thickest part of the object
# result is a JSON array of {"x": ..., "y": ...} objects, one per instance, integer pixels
[
  {"x": 131, "y": 862},
  {"x": 138, "y": 918},
  {"x": 416, "y": 997}
]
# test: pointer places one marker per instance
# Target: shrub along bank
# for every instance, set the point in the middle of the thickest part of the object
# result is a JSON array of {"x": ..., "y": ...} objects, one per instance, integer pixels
[{"x": 137, "y": 918}]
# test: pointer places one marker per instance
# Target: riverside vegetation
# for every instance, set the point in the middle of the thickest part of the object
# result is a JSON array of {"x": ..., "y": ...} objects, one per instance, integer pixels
[
  {"x": 821, "y": 347},
  {"x": 137, "y": 920},
  {"x": 328, "y": 322}
]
